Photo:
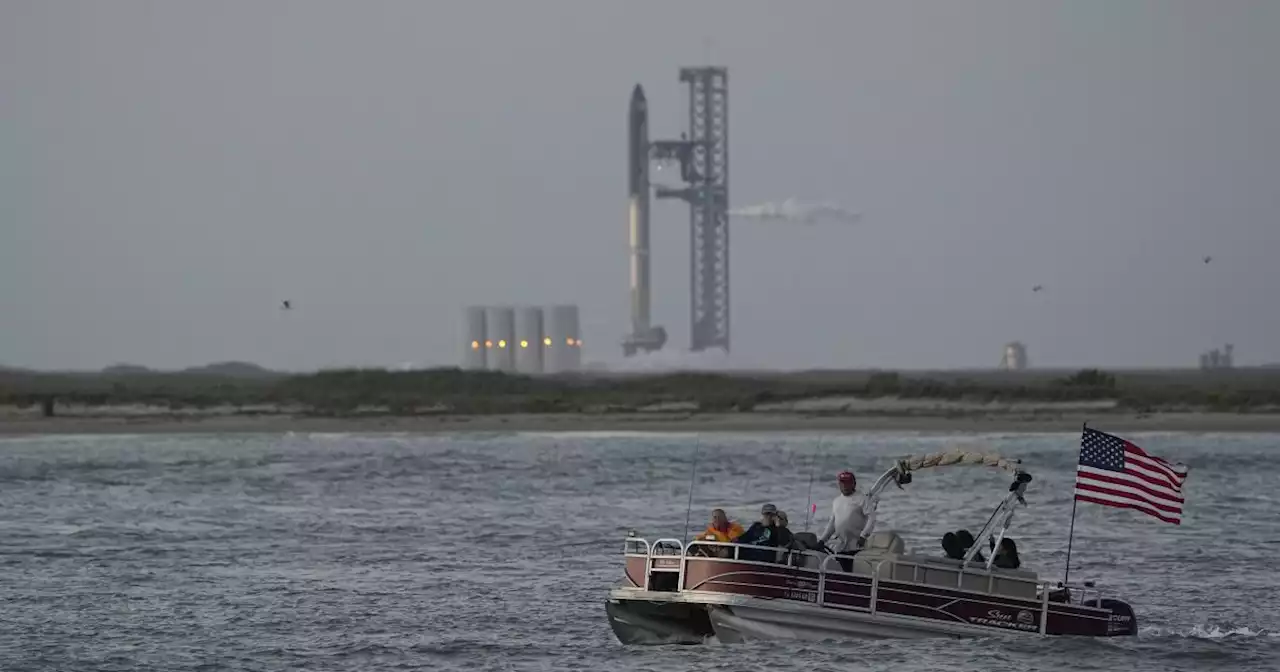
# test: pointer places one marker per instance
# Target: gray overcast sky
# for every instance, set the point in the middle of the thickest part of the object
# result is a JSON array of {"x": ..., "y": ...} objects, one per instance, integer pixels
[{"x": 170, "y": 171}]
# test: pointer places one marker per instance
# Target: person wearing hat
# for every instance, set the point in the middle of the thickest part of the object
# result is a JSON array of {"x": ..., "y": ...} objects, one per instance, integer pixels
[
  {"x": 852, "y": 519},
  {"x": 763, "y": 532}
]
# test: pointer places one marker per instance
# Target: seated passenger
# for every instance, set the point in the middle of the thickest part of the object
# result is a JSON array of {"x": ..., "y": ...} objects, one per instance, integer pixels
[
  {"x": 966, "y": 541},
  {"x": 721, "y": 528},
  {"x": 785, "y": 538},
  {"x": 763, "y": 532},
  {"x": 1007, "y": 556}
]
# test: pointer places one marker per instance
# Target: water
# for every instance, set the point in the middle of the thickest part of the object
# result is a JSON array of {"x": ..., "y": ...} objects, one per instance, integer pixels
[{"x": 495, "y": 552}]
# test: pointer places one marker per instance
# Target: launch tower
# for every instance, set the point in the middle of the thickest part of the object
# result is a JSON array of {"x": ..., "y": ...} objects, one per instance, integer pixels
[
  {"x": 704, "y": 166},
  {"x": 703, "y": 154}
]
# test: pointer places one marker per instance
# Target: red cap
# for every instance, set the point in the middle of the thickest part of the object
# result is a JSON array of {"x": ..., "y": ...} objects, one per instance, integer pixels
[{"x": 845, "y": 477}]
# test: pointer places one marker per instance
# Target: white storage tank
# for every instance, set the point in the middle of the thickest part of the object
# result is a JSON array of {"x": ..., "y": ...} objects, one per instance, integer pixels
[
  {"x": 562, "y": 339},
  {"x": 500, "y": 336},
  {"x": 473, "y": 355},
  {"x": 529, "y": 345}
]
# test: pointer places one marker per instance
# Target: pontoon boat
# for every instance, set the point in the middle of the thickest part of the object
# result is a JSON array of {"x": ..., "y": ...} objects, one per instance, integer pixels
[{"x": 675, "y": 592}]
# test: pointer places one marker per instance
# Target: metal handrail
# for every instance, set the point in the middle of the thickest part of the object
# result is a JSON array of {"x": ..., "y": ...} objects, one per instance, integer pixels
[
  {"x": 1044, "y": 610},
  {"x": 681, "y": 551},
  {"x": 789, "y": 552},
  {"x": 683, "y": 559},
  {"x": 635, "y": 540},
  {"x": 875, "y": 585}
]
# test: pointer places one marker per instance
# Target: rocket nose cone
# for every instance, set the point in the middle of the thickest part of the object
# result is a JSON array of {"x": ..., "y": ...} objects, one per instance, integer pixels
[{"x": 637, "y": 94}]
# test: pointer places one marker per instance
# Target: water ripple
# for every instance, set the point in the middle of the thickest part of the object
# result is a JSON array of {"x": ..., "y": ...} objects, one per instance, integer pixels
[{"x": 348, "y": 552}]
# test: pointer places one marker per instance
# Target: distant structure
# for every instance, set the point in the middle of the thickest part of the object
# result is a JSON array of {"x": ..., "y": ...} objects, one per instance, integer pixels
[
  {"x": 1015, "y": 357},
  {"x": 528, "y": 346},
  {"x": 527, "y": 339},
  {"x": 703, "y": 155},
  {"x": 644, "y": 336},
  {"x": 562, "y": 339},
  {"x": 474, "y": 357},
  {"x": 704, "y": 167},
  {"x": 1217, "y": 359},
  {"x": 499, "y": 339}
]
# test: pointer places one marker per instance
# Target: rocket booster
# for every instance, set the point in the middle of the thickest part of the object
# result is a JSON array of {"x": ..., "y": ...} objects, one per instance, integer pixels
[
  {"x": 638, "y": 200},
  {"x": 644, "y": 337}
]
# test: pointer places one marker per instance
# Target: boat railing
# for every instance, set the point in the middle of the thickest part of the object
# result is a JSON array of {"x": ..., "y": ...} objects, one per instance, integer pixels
[
  {"x": 828, "y": 567},
  {"x": 1087, "y": 590},
  {"x": 631, "y": 545}
]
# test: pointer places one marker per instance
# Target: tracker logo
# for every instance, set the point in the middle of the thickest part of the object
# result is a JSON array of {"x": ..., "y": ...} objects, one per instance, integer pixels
[{"x": 1000, "y": 619}]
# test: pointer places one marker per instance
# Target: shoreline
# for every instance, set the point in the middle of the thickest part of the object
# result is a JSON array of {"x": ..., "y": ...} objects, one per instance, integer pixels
[{"x": 644, "y": 422}]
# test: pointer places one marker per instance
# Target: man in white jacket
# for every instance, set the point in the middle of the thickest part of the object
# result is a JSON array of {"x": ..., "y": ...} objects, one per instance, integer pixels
[{"x": 852, "y": 518}]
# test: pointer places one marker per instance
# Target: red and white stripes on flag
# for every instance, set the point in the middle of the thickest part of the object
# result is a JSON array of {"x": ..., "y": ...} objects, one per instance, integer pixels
[{"x": 1114, "y": 472}]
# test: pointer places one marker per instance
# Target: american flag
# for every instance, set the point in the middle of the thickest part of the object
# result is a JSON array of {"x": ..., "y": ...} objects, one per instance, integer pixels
[{"x": 1114, "y": 472}]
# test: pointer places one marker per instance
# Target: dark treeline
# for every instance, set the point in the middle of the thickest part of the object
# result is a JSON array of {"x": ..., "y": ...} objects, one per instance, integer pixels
[{"x": 450, "y": 390}]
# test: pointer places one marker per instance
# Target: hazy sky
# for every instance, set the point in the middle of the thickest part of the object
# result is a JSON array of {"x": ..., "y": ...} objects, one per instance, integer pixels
[{"x": 169, "y": 172}]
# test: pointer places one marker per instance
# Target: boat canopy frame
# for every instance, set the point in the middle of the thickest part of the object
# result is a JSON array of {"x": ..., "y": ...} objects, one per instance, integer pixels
[{"x": 997, "y": 525}]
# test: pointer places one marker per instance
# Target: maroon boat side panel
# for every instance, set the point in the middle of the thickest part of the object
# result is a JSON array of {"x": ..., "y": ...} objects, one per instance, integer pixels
[
  {"x": 847, "y": 590},
  {"x": 851, "y": 591},
  {"x": 635, "y": 571},
  {"x": 757, "y": 580}
]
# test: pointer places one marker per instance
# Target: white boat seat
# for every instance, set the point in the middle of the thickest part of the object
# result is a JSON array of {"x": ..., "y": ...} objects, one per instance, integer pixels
[{"x": 886, "y": 542}]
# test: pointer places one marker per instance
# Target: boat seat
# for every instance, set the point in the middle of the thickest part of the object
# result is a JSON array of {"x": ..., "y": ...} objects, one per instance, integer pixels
[{"x": 887, "y": 542}]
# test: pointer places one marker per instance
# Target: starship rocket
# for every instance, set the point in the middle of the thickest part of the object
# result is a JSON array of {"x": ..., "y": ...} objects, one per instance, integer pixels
[{"x": 644, "y": 336}]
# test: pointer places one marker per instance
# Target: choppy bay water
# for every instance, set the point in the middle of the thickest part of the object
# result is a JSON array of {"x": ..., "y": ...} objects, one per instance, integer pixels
[{"x": 495, "y": 552}]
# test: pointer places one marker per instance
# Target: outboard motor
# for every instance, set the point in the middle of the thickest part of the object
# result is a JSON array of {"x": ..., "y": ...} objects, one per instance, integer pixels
[{"x": 1123, "y": 622}]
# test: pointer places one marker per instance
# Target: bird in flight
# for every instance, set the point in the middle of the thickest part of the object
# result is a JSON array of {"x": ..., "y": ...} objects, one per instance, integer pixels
[
  {"x": 1037, "y": 288},
  {"x": 286, "y": 305},
  {"x": 1208, "y": 259}
]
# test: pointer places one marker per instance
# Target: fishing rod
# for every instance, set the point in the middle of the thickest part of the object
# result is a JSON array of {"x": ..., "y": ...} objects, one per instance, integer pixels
[
  {"x": 813, "y": 471},
  {"x": 693, "y": 472}
]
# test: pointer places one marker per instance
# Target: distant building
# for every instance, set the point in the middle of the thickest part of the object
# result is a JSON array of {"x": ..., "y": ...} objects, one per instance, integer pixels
[
  {"x": 1015, "y": 357},
  {"x": 1218, "y": 359}
]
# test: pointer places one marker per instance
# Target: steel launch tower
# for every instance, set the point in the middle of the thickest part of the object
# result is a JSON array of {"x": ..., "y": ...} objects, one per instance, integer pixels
[{"x": 703, "y": 154}]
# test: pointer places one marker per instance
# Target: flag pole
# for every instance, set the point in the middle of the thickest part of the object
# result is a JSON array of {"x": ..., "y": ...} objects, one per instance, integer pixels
[{"x": 1071, "y": 535}]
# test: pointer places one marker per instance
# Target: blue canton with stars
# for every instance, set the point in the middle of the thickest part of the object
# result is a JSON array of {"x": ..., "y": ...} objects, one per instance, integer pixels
[{"x": 1101, "y": 451}]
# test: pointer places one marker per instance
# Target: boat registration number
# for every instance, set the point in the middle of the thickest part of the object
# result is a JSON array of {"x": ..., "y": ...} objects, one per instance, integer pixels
[{"x": 802, "y": 595}]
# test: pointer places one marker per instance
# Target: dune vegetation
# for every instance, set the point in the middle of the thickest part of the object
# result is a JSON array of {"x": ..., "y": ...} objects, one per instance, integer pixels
[{"x": 247, "y": 389}]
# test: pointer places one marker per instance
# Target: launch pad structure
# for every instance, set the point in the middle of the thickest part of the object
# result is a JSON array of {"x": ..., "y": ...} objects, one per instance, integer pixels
[{"x": 703, "y": 155}]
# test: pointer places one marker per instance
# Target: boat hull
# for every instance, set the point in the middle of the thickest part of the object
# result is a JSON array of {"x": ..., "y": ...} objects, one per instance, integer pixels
[
  {"x": 684, "y": 597},
  {"x": 743, "y": 623},
  {"x": 643, "y": 617},
  {"x": 647, "y": 621}
]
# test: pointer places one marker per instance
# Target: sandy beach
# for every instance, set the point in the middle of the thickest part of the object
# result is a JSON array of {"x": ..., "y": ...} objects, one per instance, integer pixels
[{"x": 651, "y": 422}]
